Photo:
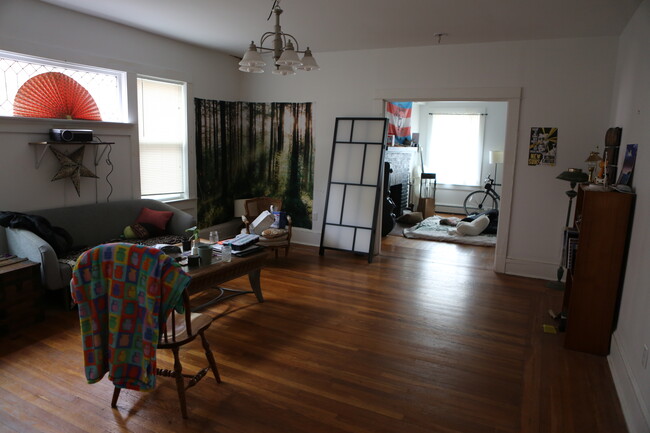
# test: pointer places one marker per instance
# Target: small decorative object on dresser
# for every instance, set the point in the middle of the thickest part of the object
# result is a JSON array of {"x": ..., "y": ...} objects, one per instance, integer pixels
[
  {"x": 628, "y": 165},
  {"x": 592, "y": 161}
]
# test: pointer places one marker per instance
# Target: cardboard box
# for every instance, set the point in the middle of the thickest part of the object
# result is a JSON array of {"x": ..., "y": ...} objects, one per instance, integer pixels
[
  {"x": 427, "y": 206},
  {"x": 262, "y": 222}
]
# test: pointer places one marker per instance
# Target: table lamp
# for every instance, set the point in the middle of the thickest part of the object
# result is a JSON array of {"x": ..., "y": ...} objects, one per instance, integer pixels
[
  {"x": 592, "y": 161},
  {"x": 573, "y": 176},
  {"x": 495, "y": 157}
]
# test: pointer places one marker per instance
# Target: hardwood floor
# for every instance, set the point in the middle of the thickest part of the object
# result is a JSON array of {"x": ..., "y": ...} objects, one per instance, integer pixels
[{"x": 424, "y": 339}]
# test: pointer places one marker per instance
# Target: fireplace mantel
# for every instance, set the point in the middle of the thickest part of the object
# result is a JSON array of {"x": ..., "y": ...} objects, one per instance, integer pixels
[
  {"x": 402, "y": 160},
  {"x": 410, "y": 149}
]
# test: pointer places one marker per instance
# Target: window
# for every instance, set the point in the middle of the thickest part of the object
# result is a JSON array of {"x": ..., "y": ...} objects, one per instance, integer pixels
[
  {"x": 106, "y": 87},
  {"x": 162, "y": 114},
  {"x": 455, "y": 148}
]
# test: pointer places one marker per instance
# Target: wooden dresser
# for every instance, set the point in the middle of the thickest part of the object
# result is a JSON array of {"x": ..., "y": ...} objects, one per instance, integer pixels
[
  {"x": 21, "y": 294},
  {"x": 595, "y": 277}
]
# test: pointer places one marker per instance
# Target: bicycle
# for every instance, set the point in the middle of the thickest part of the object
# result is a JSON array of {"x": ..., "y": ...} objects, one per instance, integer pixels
[{"x": 482, "y": 200}]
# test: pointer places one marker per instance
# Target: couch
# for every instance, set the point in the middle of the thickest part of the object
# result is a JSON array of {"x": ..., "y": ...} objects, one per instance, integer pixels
[{"x": 88, "y": 225}]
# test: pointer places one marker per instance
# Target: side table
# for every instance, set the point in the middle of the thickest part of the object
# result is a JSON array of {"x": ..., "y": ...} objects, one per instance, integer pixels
[{"x": 20, "y": 294}]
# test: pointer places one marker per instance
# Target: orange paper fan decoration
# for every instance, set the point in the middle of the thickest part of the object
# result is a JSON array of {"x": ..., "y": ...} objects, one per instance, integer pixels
[{"x": 54, "y": 95}]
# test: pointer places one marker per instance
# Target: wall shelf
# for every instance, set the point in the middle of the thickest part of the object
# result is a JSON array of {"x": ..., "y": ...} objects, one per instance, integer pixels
[{"x": 41, "y": 147}]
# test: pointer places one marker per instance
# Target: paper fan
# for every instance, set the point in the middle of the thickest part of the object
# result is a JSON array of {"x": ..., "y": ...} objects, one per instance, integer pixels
[{"x": 54, "y": 95}]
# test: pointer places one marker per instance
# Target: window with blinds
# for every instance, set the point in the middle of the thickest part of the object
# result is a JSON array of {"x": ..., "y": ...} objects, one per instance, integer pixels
[{"x": 162, "y": 123}]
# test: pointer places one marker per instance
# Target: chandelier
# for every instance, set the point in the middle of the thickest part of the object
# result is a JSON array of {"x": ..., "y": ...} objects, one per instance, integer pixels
[{"x": 285, "y": 55}]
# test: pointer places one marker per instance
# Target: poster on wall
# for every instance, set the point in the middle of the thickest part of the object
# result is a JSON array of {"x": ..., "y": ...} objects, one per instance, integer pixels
[
  {"x": 628, "y": 165},
  {"x": 543, "y": 146}
]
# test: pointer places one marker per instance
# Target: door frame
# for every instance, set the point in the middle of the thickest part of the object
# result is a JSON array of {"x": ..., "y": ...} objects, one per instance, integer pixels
[{"x": 511, "y": 95}]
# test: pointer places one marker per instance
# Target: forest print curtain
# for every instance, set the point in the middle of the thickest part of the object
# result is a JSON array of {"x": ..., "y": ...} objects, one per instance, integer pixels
[{"x": 247, "y": 149}]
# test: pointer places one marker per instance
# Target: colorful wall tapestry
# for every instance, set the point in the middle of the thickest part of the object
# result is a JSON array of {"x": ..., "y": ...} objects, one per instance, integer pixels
[
  {"x": 399, "y": 120},
  {"x": 248, "y": 149}
]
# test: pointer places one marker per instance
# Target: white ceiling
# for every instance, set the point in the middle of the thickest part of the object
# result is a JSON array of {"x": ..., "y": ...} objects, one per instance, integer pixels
[{"x": 336, "y": 25}]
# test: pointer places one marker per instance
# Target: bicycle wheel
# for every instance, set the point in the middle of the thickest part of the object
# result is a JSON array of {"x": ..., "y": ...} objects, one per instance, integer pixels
[{"x": 479, "y": 201}]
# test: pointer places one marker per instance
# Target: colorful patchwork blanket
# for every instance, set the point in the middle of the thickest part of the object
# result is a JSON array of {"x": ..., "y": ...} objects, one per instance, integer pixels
[{"x": 124, "y": 293}]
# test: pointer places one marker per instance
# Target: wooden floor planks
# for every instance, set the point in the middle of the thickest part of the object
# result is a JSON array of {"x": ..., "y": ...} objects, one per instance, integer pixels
[{"x": 427, "y": 338}]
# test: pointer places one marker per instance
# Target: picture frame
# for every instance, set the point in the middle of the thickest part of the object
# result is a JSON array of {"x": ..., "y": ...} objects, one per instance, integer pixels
[
  {"x": 542, "y": 147},
  {"x": 628, "y": 165}
]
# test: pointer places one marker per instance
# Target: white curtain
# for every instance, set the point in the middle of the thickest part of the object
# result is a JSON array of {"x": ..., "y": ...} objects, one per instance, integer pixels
[{"x": 455, "y": 148}]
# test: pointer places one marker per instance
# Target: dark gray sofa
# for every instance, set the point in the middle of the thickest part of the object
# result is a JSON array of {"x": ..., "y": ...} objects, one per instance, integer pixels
[{"x": 89, "y": 225}]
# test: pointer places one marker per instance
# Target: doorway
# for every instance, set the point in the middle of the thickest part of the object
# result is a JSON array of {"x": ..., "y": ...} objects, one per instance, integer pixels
[{"x": 511, "y": 99}]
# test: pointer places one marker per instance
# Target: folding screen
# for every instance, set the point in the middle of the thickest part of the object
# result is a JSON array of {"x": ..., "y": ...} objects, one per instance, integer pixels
[{"x": 354, "y": 186}]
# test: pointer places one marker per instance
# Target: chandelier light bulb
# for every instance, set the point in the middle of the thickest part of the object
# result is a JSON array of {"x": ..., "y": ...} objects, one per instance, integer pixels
[
  {"x": 253, "y": 69},
  {"x": 284, "y": 70}
]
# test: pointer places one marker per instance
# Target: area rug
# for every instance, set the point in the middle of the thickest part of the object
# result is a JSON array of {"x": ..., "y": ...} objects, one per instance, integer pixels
[{"x": 432, "y": 230}]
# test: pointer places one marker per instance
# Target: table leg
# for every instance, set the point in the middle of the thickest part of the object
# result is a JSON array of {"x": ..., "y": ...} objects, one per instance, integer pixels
[{"x": 254, "y": 278}]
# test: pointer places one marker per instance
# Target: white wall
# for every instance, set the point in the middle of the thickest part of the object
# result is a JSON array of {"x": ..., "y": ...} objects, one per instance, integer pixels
[
  {"x": 39, "y": 29},
  {"x": 631, "y": 111},
  {"x": 565, "y": 83}
]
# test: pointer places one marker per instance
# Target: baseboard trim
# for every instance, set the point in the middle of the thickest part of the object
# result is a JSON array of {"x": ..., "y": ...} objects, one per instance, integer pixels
[
  {"x": 636, "y": 417},
  {"x": 305, "y": 237},
  {"x": 447, "y": 208},
  {"x": 528, "y": 268}
]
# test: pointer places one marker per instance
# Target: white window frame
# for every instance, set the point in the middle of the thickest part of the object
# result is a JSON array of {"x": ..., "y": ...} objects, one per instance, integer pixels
[
  {"x": 120, "y": 103},
  {"x": 184, "y": 194}
]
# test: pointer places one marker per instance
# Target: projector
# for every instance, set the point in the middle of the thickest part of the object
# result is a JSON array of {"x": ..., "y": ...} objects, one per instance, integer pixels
[{"x": 66, "y": 135}]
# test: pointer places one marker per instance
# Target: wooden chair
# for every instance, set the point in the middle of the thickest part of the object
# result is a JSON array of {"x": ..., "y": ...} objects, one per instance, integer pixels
[
  {"x": 179, "y": 330},
  {"x": 176, "y": 331},
  {"x": 276, "y": 238}
]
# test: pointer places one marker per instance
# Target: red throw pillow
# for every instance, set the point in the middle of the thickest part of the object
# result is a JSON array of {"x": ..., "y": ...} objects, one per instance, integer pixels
[{"x": 157, "y": 218}]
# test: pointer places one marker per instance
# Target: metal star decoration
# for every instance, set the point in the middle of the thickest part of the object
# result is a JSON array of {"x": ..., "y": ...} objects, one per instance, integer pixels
[{"x": 72, "y": 167}]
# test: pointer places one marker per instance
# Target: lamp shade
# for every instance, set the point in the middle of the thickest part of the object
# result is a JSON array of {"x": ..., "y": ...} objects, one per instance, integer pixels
[
  {"x": 253, "y": 69},
  {"x": 240, "y": 207},
  {"x": 594, "y": 157},
  {"x": 252, "y": 58},
  {"x": 308, "y": 62},
  {"x": 289, "y": 57},
  {"x": 573, "y": 175},
  {"x": 496, "y": 157}
]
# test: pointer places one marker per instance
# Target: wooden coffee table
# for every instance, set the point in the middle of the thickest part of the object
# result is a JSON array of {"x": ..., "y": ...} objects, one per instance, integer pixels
[{"x": 209, "y": 277}]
